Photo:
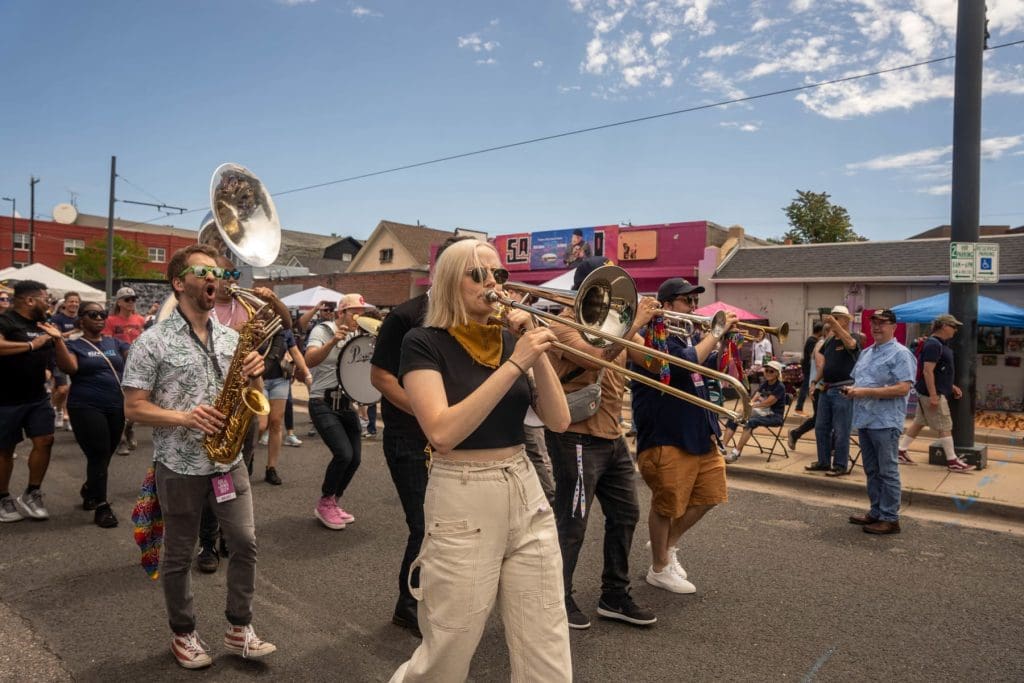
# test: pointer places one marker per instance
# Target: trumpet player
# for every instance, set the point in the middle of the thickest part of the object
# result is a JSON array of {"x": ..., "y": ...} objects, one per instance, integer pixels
[
  {"x": 174, "y": 374},
  {"x": 677, "y": 449}
]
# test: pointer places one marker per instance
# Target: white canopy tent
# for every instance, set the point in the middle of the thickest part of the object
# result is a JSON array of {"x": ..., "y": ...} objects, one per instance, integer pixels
[
  {"x": 308, "y": 298},
  {"x": 57, "y": 283}
]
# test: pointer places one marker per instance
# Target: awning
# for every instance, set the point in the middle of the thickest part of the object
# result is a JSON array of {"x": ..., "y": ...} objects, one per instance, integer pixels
[
  {"x": 308, "y": 298},
  {"x": 57, "y": 283},
  {"x": 991, "y": 312},
  {"x": 710, "y": 310}
]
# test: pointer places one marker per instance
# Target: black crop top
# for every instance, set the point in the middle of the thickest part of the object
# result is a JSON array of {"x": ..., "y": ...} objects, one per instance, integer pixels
[{"x": 431, "y": 348}]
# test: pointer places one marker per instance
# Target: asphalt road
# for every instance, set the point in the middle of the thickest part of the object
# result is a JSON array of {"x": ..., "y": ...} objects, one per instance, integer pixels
[{"x": 787, "y": 590}]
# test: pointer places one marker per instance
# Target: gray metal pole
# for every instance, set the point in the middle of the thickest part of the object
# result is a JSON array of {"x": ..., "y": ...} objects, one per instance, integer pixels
[
  {"x": 963, "y": 297},
  {"x": 32, "y": 218},
  {"x": 110, "y": 230}
]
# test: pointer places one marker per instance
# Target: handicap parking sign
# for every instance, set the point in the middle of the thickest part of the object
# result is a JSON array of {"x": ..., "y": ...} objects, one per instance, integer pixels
[{"x": 986, "y": 263}]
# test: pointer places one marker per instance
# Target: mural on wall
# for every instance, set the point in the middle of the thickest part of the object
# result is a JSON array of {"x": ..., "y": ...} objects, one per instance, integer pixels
[
  {"x": 638, "y": 245},
  {"x": 564, "y": 248}
]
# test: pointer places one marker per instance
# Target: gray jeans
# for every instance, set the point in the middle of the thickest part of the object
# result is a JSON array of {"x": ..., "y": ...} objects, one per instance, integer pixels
[{"x": 182, "y": 498}]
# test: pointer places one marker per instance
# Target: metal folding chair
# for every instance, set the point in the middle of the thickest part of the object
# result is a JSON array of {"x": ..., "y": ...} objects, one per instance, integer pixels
[{"x": 778, "y": 440}]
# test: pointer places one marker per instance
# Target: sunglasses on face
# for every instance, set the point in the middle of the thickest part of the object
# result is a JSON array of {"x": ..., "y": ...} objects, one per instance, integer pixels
[
  {"x": 202, "y": 271},
  {"x": 232, "y": 274},
  {"x": 479, "y": 275},
  {"x": 130, "y": 299},
  {"x": 95, "y": 315},
  {"x": 4, "y": 298},
  {"x": 692, "y": 300}
]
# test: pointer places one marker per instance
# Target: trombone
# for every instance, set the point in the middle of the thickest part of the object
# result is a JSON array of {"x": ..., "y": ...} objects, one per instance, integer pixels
[{"x": 605, "y": 307}]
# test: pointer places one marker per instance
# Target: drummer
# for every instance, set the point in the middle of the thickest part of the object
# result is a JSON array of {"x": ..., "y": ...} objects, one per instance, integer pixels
[{"x": 333, "y": 413}]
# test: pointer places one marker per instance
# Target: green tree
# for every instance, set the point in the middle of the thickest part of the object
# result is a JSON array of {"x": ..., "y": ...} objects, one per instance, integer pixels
[
  {"x": 814, "y": 219},
  {"x": 130, "y": 261}
]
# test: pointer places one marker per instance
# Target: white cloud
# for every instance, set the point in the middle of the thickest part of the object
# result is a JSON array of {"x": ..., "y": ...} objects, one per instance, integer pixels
[
  {"x": 764, "y": 23},
  {"x": 360, "y": 11},
  {"x": 563, "y": 89},
  {"x": 296, "y": 3},
  {"x": 719, "y": 51},
  {"x": 801, "y": 5},
  {"x": 474, "y": 42},
  {"x": 745, "y": 126},
  {"x": 489, "y": 60},
  {"x": 994, "y": 148},
  {"x": 538, "y": 63},
  {"x": 906, "y": 160},
  {"x": 937, "y": 190},
  {"x": 659, "y": 38}
]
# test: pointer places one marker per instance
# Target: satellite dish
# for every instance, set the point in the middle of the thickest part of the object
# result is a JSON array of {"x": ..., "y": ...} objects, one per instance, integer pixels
[{"x": 65, "y": 214}]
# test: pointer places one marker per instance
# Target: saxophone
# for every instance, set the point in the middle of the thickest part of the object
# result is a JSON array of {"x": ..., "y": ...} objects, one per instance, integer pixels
[{"x": 238, "y": 401}]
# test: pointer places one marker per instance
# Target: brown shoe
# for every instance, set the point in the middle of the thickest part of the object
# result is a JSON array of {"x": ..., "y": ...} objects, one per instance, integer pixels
[
  {"x": 862, "y": 520},
  {"x": 881, "y": 527}
]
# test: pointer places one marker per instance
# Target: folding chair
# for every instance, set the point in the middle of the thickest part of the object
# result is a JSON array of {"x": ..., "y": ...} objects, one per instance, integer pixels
[
  {"x": 778, "y": 440},
  {"x": 854, "y": 457}
]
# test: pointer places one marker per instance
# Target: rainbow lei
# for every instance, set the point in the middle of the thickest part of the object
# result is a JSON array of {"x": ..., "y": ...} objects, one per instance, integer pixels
[
  {"x": 149, "y": 525},
  {"x": 656, "y": 337}
]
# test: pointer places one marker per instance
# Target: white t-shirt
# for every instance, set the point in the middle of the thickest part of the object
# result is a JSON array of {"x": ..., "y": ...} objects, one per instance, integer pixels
[{"x": 325, "y": 375}]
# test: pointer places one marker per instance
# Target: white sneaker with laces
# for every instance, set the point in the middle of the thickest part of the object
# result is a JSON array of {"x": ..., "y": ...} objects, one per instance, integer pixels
[
  {"x": 190, "y": 651},
  {"x": 242, "y": 640},
  {"x": 668, "y": 580},
  {"x": 31, "y": 505},
  {"x": 292, "y": 440},
  {"x": 733, "y": 456},
  {"x": 9, "y": 511},
  {"x": 673, "y": 559}
]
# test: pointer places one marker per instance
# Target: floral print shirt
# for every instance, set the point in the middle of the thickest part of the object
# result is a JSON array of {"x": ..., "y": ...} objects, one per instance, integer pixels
[{"x": 180, "y": 374}]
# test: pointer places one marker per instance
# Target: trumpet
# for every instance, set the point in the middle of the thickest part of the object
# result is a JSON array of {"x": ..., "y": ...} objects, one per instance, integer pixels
[
  {"x": 758, "y": 332},
  {"x": 684, "y": 324},
  {"x": 605, "y": 306}
]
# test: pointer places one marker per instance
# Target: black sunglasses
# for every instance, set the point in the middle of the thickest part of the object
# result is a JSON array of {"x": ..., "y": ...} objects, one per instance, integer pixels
[
  {"x": 479, "y": 275},
  {"x": 95, "y": 315}
]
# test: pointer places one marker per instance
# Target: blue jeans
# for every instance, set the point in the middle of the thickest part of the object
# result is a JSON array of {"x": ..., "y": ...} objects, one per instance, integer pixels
[
  {"x": 832, "y": 425},
  {"x": 879, "y": 456}
]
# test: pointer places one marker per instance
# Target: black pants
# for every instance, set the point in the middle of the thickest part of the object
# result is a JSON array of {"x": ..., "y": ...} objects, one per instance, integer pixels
[
  {"x": 408, "y": 466},
  {"x": 808, "y": 424},
  {"x": 609, "y": 474},
  {"x": 289, "y": 412},
  {"x": 340, "y": 431},
  {"x": 98, "y": 432},
  {"x": 804, "y": 387}
]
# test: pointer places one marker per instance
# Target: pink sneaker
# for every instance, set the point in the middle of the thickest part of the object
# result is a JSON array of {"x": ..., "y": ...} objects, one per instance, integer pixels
[
  {"x": 346, "y": 516},
  {"x": 328, "y": 513}
]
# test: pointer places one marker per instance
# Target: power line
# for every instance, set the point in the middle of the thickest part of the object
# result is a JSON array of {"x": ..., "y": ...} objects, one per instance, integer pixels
[{"x": 640, "y": 119}]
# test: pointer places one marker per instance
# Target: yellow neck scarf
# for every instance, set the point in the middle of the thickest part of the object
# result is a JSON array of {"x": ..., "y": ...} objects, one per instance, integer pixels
[{"x": 482, "y": 342}]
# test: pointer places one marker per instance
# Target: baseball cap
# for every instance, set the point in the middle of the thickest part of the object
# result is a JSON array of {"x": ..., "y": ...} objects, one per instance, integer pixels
[
  {"x": 676, "y": 286},
  {"x": 586, "y": 267},
  {"x": 352, "y": 301},
  {"x": 125, "y": 292},
  {"x": 947, "y": 319},
  {"x": 774, "y": 365},
  {"x": 841, "y": 310},
  {"x": 884, "y": 314}
]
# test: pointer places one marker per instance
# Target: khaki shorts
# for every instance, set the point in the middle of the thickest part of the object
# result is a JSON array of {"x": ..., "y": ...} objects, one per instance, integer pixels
[
  {"x": 937, "y": 418},
  {"x": 678, "y": 479}
]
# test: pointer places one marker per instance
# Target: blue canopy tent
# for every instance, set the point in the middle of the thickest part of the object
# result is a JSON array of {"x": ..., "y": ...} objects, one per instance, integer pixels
[{"x": 990, "y": 311}]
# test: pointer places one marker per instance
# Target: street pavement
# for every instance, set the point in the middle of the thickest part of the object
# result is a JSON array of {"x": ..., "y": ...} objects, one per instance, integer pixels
[{"x": 787, "y": 590}]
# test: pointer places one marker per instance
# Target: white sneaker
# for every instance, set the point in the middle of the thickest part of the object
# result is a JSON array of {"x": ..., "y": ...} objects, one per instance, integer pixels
[
  {"x": 31, "y": 505},
  {"x": 668, "y": 580},
  {"x": 265, "y": 439},
  {"x": 733, "y": 456},
  {"x": 190, "y": 651},
  {"x": 9, "y": 511},
  {"x": 292, "y": 440},
  {"x": 673, "y": 559},
  {"x": 242, "y": 640},
  {"x": 58, "y": 422}
]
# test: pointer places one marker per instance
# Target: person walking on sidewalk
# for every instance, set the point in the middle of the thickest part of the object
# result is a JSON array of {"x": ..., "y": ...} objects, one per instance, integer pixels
[
  {"x": 806, "y": 364},
  {"x": 677, "y": 449},
  {"x": 833, "y": 414},
  {"x": 934, "y": 387},
  {"x": 814, "y": 387},
  {"x": 174, "y": 374},
  {"x": 25, "y": 354},
  {"x": 882, "y": 379}
]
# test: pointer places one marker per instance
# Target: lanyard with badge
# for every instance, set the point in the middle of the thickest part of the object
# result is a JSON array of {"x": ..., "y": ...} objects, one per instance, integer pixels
[{"x": 223, "y": 484}]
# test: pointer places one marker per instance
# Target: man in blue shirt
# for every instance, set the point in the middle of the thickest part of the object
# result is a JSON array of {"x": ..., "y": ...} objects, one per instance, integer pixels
[
  {"x": 882, "y": 379},
  {"x": 934, "y": 388},
  {"x": 676, "y": 446}
]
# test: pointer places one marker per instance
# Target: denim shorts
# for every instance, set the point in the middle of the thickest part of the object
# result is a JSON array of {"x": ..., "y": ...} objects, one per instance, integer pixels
[
  {"x": 277, "y": 389},
  {"x": 32, "y": 419}
]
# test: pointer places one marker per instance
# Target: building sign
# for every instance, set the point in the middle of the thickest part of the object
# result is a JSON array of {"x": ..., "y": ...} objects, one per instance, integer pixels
[
  {"x": 560, "y": 249},
  {"x": 973, "y": 262},
  {"x": 638, "y": 245},
  {"x": 517, "y": 250}
]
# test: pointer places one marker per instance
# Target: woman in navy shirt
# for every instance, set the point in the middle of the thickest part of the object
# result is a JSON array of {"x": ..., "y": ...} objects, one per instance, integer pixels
[{"x": 96, "y": 403}]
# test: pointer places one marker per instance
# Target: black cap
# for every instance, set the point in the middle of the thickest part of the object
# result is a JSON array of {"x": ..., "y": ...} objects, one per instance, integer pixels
[
  {"x": 586, "y": 267},
  {"x": 676, "y": 286},
  {"x": 884, "y": 314}
]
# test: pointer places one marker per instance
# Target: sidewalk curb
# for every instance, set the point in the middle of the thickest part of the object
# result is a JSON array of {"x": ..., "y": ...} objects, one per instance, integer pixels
[{"x": 910, "y": 497}]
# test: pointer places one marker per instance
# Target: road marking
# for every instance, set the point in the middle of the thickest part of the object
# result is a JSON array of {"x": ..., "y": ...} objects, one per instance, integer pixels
[{"x": 818, "y": 664}]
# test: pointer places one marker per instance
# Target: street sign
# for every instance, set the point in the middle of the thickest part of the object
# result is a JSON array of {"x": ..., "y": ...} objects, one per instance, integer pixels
[
  {"x": 987, "y": 262},
  {"x": 961, "y": 262}
]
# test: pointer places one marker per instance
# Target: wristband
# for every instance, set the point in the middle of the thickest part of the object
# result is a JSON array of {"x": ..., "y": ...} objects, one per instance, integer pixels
[
  {"x": 518, "y": 367},
  {"x": 30, "y": 347}
]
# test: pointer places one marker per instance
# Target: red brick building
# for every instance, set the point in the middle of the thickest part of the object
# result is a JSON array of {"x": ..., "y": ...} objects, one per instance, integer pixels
[{"x": 54, "y": 243}]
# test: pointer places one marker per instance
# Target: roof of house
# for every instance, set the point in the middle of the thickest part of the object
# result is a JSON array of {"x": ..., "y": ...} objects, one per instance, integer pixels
[
  {"x": 983, "y": 230},
  {"x": 318, "y": 265},
  {"x": 890, "y": 261},
  {"x": 417, "y": 239}
]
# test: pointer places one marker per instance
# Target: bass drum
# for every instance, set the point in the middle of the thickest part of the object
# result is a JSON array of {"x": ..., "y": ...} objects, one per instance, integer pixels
[{"x": 354, "y": 370}]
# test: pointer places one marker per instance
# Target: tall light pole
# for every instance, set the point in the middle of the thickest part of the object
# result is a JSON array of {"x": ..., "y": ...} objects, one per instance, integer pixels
[
  {"x": 32, "y": 218},
  {"x": 14, "y": 210}
]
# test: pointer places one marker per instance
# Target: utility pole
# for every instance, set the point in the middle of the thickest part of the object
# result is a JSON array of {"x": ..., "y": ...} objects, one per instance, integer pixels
[
  {"x": 110, "y": 230},
  {"x": 32, "y": 218},
  {"x": 964, "y": 217}
]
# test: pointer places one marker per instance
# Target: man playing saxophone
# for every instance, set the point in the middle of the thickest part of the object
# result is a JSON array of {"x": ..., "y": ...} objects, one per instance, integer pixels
[{"x": 175, "y": 372}]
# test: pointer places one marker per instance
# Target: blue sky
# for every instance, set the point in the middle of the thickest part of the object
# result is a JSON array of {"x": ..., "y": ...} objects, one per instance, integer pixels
[{"x": 310, "y": 91}]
